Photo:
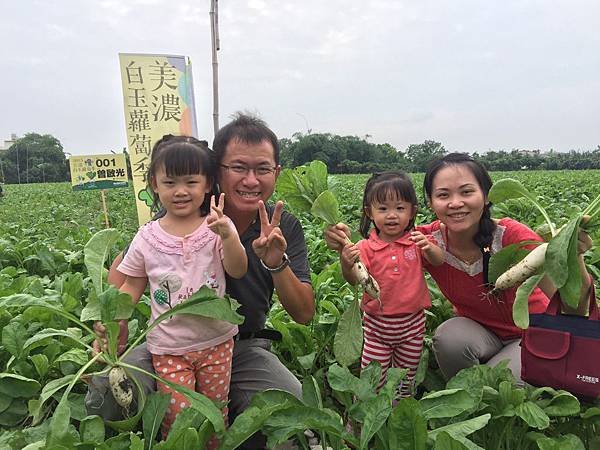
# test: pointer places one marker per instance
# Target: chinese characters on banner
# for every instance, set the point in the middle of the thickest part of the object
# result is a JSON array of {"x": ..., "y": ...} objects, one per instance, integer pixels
[
  {"x": 98, "y": 172},
  {"x": 159, "y": 99}
]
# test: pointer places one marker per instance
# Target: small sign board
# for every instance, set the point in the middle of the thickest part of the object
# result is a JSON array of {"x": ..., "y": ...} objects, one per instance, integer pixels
[{"x": 98, "y": 172}]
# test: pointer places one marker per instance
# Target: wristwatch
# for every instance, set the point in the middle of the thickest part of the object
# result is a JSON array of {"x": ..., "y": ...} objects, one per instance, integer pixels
[{"x": 284, "y": 263}]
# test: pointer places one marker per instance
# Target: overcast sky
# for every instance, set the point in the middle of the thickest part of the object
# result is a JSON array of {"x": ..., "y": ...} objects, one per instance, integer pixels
[{"x": 470, "y": 74}]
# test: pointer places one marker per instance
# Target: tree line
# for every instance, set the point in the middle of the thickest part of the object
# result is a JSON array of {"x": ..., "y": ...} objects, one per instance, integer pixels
[
  {"x": 353, "y": 154},
  {"x": 37, "y": 158}
]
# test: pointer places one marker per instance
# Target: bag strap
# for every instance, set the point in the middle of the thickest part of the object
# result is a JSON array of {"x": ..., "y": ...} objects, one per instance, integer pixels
[{"x": 555, "y": 303}]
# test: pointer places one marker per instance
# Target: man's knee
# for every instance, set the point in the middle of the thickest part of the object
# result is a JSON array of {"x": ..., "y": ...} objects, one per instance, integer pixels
[
  {"x": 256, "y": 369},
  {"x": 99, "y": 399}
]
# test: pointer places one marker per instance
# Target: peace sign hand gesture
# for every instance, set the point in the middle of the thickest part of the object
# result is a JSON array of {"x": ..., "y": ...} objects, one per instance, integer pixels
[
  {"x": 270, "y": 245},
  {"x": 216, "y": 220}
]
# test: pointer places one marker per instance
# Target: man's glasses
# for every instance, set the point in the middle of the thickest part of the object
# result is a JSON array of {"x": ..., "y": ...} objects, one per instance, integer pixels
[{"x": 241, "y": 169}]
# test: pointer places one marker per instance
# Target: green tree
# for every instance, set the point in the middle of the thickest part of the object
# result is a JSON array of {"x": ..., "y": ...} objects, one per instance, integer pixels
[
  {"x": 420, "y": 155},
  {"x": 35, "y": 158},
  {"x": 342, "y": 154}
]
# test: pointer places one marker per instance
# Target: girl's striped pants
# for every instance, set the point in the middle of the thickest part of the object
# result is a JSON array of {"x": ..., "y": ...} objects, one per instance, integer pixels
[{"x": 395, "y": 342}]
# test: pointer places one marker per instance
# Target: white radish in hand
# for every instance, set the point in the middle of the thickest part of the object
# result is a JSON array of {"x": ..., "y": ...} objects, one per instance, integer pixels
[
  {"x": 120, "y": 387},
  {"x": 365, "y": 279},
  {"x": 525, "y": 268}
]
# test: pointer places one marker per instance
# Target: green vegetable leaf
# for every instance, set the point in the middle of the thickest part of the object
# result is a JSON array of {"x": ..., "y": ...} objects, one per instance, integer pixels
[
  {"x": 407, "y": 426},
  {"x": 15, "y": 385},
  {"x": 506, "y": 189},
  {"x": 5, "y": 401},
  {"x": 557, "y": 254},
  {"x": 570, "y": 292},
  {"x": 533, "y": 415},
  {"x": 340, "y": 379},
  {"x": 13, "y": 338},
  {"x": 445, "y": 441},
  {"x": 263, "y": 405},
  {"x": 317, "y": 177},
  {"x": 41, "y": 364},
  {"x": 311, "y": 394},
  {"x": 446, "y": 403},
  {"x": 14, "y": 414},
  {"x": 521, "y": 305},
  {"x": 373, "y": 413},
  {"x": 563, "y": 404},
  {"x": 51, "y": 388},
  {"x": 285, "y": 423},
  {"x": 92, "y": 430},
  {"x": 509, "y": 188},
  {"x": 183, "y": 439},
  {"x": 348, "y": 340},
  {"x": 59, "y": 426},
  {"x": 157, "y": 404},
  {"x": 325, "y": 207},
  {"x": 290, "y": 187},
  {"x": 462, "y": 429},
  {"x": 95, "y": 253}
]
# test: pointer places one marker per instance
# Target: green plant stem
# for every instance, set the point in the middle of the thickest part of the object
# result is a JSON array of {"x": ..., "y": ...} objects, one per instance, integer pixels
[
  {"x": 138, "y": 339},
  {"x": 593, "y": 208},
  {"x": 81, "y": 372},
  {"x": 70, "y": 317},
  {"x": 171, "y": 385}
]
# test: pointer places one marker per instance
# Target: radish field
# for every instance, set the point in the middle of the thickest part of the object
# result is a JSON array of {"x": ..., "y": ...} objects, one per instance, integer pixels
[{"x": 46, "y": 293}]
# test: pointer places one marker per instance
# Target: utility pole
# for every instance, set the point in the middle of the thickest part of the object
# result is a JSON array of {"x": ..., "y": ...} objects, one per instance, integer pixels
[
  {"x": 216, "y": 45},
  {"x": 18, "y": 170}
]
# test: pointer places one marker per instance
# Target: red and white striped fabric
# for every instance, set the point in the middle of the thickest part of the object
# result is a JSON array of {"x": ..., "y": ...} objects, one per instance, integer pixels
[{"x": 394, "y": 342}]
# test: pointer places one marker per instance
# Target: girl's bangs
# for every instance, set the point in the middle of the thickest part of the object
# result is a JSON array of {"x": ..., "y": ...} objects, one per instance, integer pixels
[
  {"x": 183, "y": 160},
  {"x": 393, "y": 189}
]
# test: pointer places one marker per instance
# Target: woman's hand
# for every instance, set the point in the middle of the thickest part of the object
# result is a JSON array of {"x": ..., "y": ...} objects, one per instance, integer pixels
[
  {"x": 584, "y": 242},
  {"x": 337, "y": 236}
]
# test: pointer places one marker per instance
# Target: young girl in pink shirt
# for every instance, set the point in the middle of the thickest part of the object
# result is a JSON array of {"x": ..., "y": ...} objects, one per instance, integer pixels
[
  {"x": 392, "y": 253},
  {"x": 191, "y": 246}
]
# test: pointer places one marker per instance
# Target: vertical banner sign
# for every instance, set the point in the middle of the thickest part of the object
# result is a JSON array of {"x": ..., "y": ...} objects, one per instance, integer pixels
[{"x": 159, "y": 99}]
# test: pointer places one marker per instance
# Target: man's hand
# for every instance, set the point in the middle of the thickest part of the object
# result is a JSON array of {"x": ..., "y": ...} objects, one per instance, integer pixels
[
  {"x": 337, "y": 236},
  {"x": 270, "y": 245}
]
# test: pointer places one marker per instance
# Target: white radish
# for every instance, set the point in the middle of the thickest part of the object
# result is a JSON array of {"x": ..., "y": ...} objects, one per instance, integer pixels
[
  {"x": 120, "y": 387},
  {"x": 523, "y": 269},
  {"x": 365, "y": 279}
]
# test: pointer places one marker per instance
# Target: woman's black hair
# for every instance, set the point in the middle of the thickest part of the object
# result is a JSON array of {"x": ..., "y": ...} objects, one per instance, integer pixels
[
  {"x": 383, "y": 186},
  {"x": 485, "y": 234},
  {"x": 182, "y": 155}
]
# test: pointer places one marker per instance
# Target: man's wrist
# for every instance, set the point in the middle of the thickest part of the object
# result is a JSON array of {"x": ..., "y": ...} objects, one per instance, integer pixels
[{"x": 285, "y": 261}]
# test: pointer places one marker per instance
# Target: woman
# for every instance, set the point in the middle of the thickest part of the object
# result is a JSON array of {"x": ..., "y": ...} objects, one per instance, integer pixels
[{"x": 456, "y": 188}]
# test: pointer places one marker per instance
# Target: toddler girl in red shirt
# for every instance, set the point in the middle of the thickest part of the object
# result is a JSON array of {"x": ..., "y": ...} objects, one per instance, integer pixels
[{"x": 392, "y": 253}]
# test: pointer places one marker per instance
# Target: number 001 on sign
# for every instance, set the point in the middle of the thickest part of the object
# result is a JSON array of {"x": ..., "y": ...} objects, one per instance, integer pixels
[{"x": 98, "y": 172}]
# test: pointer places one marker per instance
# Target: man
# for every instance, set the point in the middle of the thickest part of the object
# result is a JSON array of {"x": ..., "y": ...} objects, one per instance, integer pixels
[{"x": 247, "y": 157}]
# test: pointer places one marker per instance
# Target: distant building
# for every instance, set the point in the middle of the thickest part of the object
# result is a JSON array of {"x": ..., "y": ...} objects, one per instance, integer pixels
[{"x": 9, "y": 142}]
